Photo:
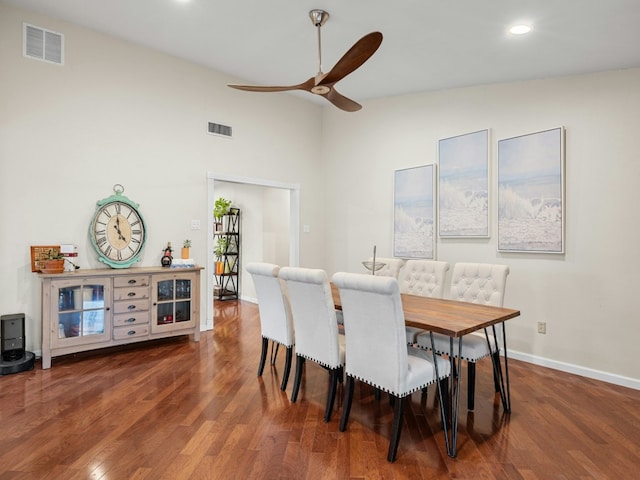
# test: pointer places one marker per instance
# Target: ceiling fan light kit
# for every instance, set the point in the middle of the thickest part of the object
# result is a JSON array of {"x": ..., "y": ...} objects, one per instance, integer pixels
[{"x": 323, "y": 83}]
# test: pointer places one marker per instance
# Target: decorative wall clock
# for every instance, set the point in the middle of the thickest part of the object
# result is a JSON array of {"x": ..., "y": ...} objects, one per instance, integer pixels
[{"x": 117, "y": 230}]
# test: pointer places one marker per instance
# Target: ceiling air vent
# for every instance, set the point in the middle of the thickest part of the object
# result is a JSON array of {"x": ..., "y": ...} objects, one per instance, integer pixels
[
  {"x": 219, "y": 129},
  {"x": 42, "y": 44}
]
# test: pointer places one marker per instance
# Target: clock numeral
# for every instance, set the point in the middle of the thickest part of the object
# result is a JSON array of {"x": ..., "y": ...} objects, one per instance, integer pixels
[
  {"x": 107, "y": 213},
  {"x": 101, "y": 223},
  {"x": 136, "y": 232},
  {"x": 135, "y": 240},
  {"x": 101, "y": 232},
  {"x": 137, "y": 222},
  {"x": 119, "y": 255},
  {"x": 107, "y": 251},
  {"x": 132, "y": 250},
  {"x": 101, "y": 241},
  {"x": 118, "y": 208}
]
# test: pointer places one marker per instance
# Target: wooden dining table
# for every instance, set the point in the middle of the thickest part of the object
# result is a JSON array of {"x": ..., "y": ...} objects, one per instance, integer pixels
[{"x": 456, "y": 319}]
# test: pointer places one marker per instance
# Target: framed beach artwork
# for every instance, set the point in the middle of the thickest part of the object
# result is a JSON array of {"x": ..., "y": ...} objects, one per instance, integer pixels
[
  {"x": 531, "y": 208},
  {"x": 414, "y": 212},
  {"x": 463, "y": 185}
]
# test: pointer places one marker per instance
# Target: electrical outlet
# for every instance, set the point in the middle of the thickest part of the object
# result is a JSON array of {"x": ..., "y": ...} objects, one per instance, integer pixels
[
  {"x": 542, "y": 327},
  {"x": 195, "y": 224}
]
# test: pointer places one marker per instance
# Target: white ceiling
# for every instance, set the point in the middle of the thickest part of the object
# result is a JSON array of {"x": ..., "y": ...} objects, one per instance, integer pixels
[{"x": 428, "y": 44}]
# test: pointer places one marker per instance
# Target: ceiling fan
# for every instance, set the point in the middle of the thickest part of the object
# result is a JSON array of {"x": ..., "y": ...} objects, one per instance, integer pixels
[{"x": 323, "y": 83}]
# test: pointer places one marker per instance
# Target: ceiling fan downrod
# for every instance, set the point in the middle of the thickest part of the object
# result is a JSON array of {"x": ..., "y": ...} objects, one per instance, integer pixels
[{"x": 319, "y": 18}]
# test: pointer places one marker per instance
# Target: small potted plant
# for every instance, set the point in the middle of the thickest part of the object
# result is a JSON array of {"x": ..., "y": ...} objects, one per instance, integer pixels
[
  {"x": 186, "y": 246},
  {"x": 220, "y": 209},
  {"x": 54, "y": 263},
  {"x": 219, "y": 250}
]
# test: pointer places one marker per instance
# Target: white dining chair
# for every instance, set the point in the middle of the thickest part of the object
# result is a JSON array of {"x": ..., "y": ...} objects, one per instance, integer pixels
[
  {"x": 475, "y": 283},
  {"x": 276, "y": 323},
  {"x": 425, "y": 278},
  {"x": 391, "y": 266},
  {"x": 376, "y": 349},
  {"x": 316, "y": 327}
]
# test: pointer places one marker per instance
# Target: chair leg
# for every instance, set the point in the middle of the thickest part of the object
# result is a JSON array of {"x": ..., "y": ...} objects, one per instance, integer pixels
[
  {"x": 296, "y": 381},
  {"x": 274, "y": 354},
  {"x": 346, "y": 406},
  {"x": 331, "y": 396},
  {"x": 287, "y": 368},
  {"x": 263, "y": 355},
  {"x": 471, "y": 385},
  {"x": 398, "y": 410}
]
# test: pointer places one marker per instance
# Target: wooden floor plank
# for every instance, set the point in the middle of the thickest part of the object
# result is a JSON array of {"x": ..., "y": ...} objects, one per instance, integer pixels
[{"x": 180, "y": 409}]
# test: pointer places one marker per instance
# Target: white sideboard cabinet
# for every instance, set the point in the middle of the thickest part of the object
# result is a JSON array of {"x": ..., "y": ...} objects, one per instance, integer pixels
[{"x": 89, "y": 309}]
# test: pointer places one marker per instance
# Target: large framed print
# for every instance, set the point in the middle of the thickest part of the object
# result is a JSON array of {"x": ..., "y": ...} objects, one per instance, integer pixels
[
  {"x": 531, "y": 206},
  {"x": 414, "y": 212},
  {"x": 463, "y": 185}
]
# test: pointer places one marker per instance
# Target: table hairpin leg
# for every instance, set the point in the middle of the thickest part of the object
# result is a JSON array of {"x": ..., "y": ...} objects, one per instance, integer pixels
[
  {"x": 505, "y": 393},
  {"x": 455, "y": 395},
  {"x": 443, "y": 408}
]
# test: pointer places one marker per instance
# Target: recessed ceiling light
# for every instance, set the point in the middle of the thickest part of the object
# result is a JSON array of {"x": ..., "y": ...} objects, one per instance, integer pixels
[{"x": 520, "y": 29}]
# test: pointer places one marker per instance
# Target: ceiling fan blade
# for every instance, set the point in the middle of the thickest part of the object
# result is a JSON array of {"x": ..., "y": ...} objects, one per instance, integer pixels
[
  {"x": 342, "y": 102},
  {"x": 257, "y": 88},
  {"x": 354, "y": 58}
]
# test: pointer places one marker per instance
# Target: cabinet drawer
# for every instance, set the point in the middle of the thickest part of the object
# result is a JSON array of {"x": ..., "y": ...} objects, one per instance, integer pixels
[
  {"x": 129, "y": 307},
  {"x": 131, "y": 281},
  {"x": 130, "y": 293},
  {"x": 134, "y": 318},
  {"x": 133, "y": 331}
]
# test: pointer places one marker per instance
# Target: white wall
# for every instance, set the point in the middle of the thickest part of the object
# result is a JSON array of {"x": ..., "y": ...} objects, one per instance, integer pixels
[
  {"x": 276, "y": 226},
  {"x": 120, "y": 113},
  {"x": 587, "y": 296}
]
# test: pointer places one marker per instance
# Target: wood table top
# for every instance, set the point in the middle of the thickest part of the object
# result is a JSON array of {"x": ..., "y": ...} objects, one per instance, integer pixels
[{"x": 449, "y": 317}]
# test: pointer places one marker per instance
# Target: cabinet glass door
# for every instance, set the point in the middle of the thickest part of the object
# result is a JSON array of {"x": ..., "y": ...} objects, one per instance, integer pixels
[
  {"x": 81, "y": 313},
  {"x": 173, "y": 301}
]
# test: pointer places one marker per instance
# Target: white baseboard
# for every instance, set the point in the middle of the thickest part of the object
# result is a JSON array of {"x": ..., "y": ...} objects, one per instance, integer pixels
[
  {"x": 249, "y": 299},
  {"x": 577, "y": 370}
]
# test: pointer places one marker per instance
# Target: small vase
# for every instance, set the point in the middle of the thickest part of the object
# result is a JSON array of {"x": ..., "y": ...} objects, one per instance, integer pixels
[
  {"x": 185, "y": 252},
  {"x": 219, "y": 268}
]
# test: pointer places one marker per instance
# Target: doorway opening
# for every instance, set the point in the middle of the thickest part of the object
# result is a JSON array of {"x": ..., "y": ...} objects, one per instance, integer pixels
[{"x": 217, "y": 185}]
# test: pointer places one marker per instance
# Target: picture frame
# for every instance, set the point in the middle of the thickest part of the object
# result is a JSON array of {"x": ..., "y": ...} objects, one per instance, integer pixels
[
  {"x": 414, "y": 212},
  {"x": 463, "y": 186},
  {"x": 531, "y": 192}
]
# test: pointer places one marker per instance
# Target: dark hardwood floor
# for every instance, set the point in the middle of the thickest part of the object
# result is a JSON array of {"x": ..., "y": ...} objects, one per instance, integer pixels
[{"x": 176, "y": 409}]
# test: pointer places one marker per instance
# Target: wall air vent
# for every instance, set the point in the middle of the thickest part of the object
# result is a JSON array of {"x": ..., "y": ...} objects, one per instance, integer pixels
[
  {"x": 42, "y": 44},
  {"x": 220, "y": 130}
]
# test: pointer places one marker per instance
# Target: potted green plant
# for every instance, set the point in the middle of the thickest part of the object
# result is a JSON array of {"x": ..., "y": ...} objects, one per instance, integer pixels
[
  {"x": 220, "y": 209},
  {"x": 186, "y": 246},
  {"x": 54, "y": 263}
]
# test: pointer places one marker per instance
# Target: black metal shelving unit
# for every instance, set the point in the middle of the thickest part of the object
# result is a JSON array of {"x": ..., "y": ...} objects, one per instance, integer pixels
[{"x": 227, "y": 268}]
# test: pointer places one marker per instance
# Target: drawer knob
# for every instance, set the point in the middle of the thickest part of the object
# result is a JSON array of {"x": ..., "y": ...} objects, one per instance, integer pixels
[
  {"x": 130, "y": 320},
  {"x": 131, "y": 307},
  {"x": 131, "y": 332},
  {"x": 131, "y": 282},
  {"x": 131, "y": 294}
]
